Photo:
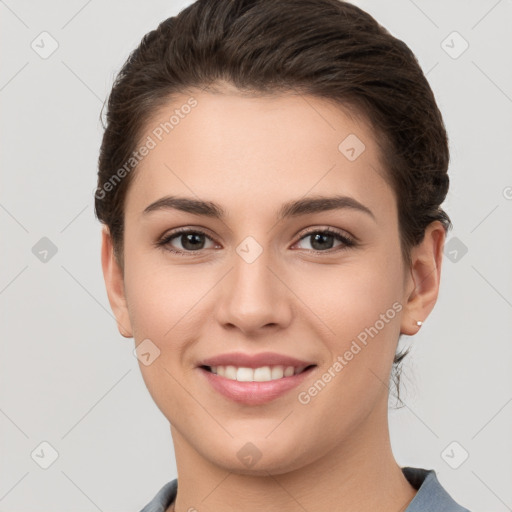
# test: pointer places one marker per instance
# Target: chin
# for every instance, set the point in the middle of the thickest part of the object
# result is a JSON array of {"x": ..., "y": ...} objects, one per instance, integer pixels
[{"x": 259, "y": 457}]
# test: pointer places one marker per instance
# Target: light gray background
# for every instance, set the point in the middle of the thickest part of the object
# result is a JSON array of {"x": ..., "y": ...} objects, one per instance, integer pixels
[{"x": 69, "y": 378}]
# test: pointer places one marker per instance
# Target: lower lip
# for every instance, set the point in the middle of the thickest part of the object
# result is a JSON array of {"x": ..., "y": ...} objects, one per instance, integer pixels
[{"x": 254, "y": 393}]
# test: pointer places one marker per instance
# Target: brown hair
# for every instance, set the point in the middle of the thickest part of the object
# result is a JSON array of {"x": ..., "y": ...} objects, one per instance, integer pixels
[{"x": 326, "y": 48}]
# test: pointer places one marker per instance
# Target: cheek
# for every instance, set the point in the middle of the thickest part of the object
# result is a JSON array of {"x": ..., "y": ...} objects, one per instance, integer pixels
[
  {"x": 166, "y": 300},
  {"x": 362, "y": 307},
  {"x": 158, "y": 293},
  {"x": 352, "y": 296},
  {"x": 162, "y": 301},
  {"x": 164, "y": 305}
]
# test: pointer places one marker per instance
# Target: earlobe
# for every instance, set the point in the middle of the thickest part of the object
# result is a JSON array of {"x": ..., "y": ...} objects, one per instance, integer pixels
[
  {"x": 422, "y": 288},
  {"x": 114, "y": 283}
]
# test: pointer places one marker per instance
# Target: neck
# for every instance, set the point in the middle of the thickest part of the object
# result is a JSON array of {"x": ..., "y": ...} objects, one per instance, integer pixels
[{"x": 359, "y": 473}]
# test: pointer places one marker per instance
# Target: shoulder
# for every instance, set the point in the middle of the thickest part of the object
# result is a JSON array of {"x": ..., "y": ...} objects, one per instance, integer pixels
[
  {"x": 431, "y": 495},
  {"x": 163, "y": 498}
]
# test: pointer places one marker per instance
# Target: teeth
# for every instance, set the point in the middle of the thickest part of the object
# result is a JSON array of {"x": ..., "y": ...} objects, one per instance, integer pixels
[
  {"x": 245, "y": 374},
  {"x": 277, "y": 372},
  {"x": 262, "y": 374},
  {"x": 289, "y": 371},
  {"x": 229, "y": 372}
]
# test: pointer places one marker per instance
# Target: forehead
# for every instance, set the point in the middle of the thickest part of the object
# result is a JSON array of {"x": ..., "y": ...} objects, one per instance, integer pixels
[{"x": 242, "y": 150}]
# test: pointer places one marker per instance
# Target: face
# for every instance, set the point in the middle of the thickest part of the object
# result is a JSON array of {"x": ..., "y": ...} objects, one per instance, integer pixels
[{"x": 280, "y": 248}]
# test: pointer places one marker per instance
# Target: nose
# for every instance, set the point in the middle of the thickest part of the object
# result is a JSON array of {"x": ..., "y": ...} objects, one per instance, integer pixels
[{"x": 254, "y": 297}]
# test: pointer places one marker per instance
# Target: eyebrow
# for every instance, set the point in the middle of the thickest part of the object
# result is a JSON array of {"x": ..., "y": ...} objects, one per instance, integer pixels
[{"x": 290, "y": 209}]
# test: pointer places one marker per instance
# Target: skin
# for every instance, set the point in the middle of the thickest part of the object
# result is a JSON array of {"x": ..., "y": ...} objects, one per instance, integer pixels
[{"x": 251, "y": 155}]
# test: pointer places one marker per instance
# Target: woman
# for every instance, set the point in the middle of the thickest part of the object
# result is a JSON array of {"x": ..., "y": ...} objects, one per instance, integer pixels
[{"x": 241, "y": 136}]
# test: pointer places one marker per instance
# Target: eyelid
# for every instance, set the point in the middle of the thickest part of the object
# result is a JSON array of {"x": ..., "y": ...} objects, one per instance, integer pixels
[
  {"x": 165, "y": 239},
  {"x": 326, "y": 229},
  {"x": 348, "y": 240}
]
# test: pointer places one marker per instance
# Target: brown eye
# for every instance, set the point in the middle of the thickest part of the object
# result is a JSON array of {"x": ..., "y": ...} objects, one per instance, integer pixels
[
  {"x": 185, "y": 241},
  {"x": 324, "y": 240}
]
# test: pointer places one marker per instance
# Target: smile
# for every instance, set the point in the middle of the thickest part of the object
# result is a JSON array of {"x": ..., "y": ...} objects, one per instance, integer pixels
[
  {"x": 261, "y": 374},
  {"x": 241, "y": 384}
]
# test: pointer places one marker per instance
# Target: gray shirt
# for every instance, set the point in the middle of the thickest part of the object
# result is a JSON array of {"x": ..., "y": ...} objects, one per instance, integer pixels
[{"x": 431, "y": 496}]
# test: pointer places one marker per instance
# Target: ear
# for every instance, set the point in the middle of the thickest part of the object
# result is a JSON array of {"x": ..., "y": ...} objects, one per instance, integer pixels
[
  {"x": 114, "y": 282},
  {"x": 422, "y": 286}
]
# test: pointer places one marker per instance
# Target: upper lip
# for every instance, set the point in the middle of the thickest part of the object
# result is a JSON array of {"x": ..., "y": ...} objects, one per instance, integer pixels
[{"x": 239, "y": 359}]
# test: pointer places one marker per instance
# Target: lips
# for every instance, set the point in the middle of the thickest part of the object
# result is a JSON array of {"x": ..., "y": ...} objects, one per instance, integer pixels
[
  {"x": 241, "y": 360},
  {"x": 254, "y": 379}
]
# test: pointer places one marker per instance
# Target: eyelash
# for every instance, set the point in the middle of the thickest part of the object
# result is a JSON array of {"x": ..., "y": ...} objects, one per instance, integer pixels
[{"x": 165, "y": 241}]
